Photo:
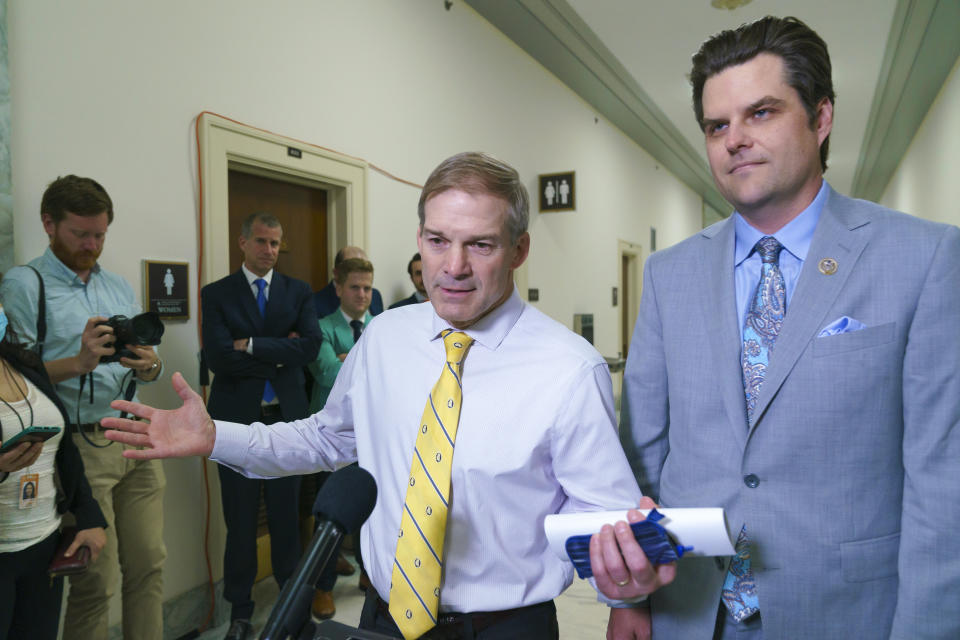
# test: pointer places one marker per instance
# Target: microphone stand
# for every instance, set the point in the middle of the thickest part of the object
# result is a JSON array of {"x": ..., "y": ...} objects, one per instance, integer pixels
[{"x": 292, "y": 611}]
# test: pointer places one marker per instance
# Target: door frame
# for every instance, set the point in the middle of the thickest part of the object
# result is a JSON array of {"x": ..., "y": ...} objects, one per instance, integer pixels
[
  {"x": 634, "y": 252},
  {"x": 226, "y": 144}
]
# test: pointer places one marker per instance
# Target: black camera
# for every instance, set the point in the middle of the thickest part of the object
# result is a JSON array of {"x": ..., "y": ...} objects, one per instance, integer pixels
[{"x": 143, "y": 329}]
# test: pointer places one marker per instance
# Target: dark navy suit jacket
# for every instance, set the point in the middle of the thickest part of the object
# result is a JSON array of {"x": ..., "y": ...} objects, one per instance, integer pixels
[
  {"x": 404, "y": 302},
  {"x": 230, "y": 313}
]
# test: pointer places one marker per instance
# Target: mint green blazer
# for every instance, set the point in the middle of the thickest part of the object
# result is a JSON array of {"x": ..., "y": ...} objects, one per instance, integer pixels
[{"x": 337, "y": 338}]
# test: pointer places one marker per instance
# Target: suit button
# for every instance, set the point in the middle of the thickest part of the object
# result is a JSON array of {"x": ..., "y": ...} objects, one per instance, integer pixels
[{"x": 751, "y": 480}]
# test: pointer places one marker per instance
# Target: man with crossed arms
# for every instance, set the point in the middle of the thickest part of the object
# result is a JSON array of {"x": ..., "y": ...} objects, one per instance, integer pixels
[{"x": 535, "y": 428}]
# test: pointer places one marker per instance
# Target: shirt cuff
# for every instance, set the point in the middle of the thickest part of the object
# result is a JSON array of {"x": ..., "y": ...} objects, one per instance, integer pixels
[
  {"x": 250, "y": 345},
  {"x": 231, "y": 444},
  {"x": 616, "y": 604}
]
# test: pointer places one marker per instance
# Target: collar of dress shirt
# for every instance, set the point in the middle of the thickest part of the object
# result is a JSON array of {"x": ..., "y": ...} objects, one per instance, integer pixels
[
  {"x": 795, "y": 236},
  {"x": 491, "y": 329},
  {"x": 62, "y": 271},
  {"x": 349, "y": 319},
  {"x": 251, "y": 276}
]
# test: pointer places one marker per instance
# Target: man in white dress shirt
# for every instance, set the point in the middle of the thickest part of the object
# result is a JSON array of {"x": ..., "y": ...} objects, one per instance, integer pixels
[{"x": 536, "y": 431}]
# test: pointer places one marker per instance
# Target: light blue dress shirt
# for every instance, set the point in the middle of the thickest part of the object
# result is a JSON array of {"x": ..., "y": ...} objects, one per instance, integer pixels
[
  {"x": 795, "y": 237},
  {"x": 70, "y": 303}
]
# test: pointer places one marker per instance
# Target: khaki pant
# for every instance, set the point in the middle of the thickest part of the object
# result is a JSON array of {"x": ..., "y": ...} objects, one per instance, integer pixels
[{"x": 130, "y": 493}]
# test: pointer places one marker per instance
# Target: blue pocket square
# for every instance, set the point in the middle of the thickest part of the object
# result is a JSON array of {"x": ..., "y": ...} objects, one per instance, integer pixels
[{"x": 843, "y": 324}]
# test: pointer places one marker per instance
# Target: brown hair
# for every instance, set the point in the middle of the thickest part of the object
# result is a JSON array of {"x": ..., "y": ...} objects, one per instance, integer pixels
[
  {"x": 804, "y": 54},
  {"x": 76, "y": 195},
  {"x": 351, "y": 265},
  {"x": 475, "y": 173}
]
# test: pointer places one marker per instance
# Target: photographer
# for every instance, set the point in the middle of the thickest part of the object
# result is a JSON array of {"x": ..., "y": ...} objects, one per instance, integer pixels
[{"x": 79, "y": 352}]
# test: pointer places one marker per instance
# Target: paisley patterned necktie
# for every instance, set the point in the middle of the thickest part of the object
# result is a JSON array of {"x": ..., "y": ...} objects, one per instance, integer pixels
[
  {"x": 418, "y": 565},
  {"x": 760, "y": 330},
  {"x": 764, "y": 319}
]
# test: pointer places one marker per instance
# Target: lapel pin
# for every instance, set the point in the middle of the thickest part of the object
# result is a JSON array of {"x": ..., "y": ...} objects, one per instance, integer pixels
[{"x": 827, "y": 266}]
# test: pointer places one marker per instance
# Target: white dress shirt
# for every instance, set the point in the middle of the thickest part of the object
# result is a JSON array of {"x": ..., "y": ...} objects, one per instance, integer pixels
[
  {"x": 537, "y": 435},
  {"x": 252, "y": 281}
]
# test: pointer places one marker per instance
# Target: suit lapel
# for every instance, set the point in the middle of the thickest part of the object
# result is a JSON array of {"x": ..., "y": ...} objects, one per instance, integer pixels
[
  {"x": 343, "y": 333},
  {"x": 837, "y": 236},
  {"x": 244, "y": 294},
  {"x": 277, "y": 298},
  {"x": 719, "y": 301}
]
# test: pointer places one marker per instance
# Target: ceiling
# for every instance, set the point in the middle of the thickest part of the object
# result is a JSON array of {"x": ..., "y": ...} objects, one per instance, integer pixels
[{"x": 630, "y": 58}]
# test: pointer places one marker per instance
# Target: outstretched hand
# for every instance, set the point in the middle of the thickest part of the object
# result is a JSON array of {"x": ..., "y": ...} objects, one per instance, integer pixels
[
  {"x": 177, "y": 433},
  {"x": 620, "y": 567}
]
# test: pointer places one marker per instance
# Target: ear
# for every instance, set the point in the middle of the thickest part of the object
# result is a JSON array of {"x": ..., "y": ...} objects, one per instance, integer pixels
[
  {"x": 419, "y": 239},
  {"x": 49, "y": 226},
  {"x": 338, "y": 289},
  {"x": 824, "y": 121},
  {"x": 522, "y": 250}
]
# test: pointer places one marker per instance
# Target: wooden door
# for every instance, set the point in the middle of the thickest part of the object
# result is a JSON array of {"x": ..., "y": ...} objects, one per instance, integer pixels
[{"x": 302, "y": 211}]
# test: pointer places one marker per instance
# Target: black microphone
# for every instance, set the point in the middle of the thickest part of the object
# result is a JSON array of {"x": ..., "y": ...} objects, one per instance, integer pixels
[{"x": 344, "y": 502}]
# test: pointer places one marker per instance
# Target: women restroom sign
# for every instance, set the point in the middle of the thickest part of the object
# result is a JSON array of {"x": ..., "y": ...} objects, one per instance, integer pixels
[{"x": 167, "y": 289}]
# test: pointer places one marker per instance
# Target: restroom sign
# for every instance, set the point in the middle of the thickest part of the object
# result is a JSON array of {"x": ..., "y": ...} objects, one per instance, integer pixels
[
  {"x": 557, "y": 191},
  {"x": 167, "y": 289}
]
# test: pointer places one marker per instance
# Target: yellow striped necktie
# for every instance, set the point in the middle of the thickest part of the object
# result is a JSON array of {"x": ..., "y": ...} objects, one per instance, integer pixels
[{"x": 418, "y": 565}]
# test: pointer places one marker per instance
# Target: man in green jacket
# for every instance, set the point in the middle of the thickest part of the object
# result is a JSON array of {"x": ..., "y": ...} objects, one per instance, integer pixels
[{"x": 353, "y": 279}]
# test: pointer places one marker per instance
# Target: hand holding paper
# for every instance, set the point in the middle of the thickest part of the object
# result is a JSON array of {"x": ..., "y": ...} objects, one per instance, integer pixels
[
  {"x": 621, "y": 570},
  {"x": 620, "y": 567}
]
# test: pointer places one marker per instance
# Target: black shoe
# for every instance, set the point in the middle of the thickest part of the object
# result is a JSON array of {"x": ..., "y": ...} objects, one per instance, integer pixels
[{"x": 240, "y": 629}]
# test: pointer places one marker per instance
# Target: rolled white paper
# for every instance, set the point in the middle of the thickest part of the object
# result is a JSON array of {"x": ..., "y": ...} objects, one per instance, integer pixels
[{"x": 703, "y": 529}]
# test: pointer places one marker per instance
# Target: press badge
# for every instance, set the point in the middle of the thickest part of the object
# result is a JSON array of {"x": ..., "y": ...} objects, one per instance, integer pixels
[{"x": 29, "y": 486}]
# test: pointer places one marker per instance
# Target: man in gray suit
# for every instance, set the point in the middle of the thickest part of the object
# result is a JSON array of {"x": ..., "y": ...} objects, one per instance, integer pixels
[{"x": 797, "y": 365}]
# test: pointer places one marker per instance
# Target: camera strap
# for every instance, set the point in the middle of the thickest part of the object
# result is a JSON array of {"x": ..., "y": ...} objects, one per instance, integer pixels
[
  {"x": 128, "y": 394},
  {"x": 83, "y": 434},
  {"x": 41, "y": 313}
]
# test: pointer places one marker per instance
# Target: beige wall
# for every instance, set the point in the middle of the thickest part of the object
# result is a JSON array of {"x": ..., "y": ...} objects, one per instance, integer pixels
[
  {"x": 927, "y": 182},
  {"x": 111, "y": 88}
]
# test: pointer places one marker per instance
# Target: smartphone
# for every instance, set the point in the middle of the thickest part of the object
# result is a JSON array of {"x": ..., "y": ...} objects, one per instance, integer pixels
[{"x": 30, "y": 434}]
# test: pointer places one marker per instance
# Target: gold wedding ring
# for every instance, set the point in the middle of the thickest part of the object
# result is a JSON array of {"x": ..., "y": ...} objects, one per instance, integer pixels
[{"x": 624, "y": 583}]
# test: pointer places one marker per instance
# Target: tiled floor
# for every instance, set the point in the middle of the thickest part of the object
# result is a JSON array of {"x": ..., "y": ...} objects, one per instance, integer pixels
[{"x": 581, "y": 616}]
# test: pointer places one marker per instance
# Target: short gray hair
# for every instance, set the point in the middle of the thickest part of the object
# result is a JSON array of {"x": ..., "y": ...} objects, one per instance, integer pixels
[{"x": 263, "y": 217}]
